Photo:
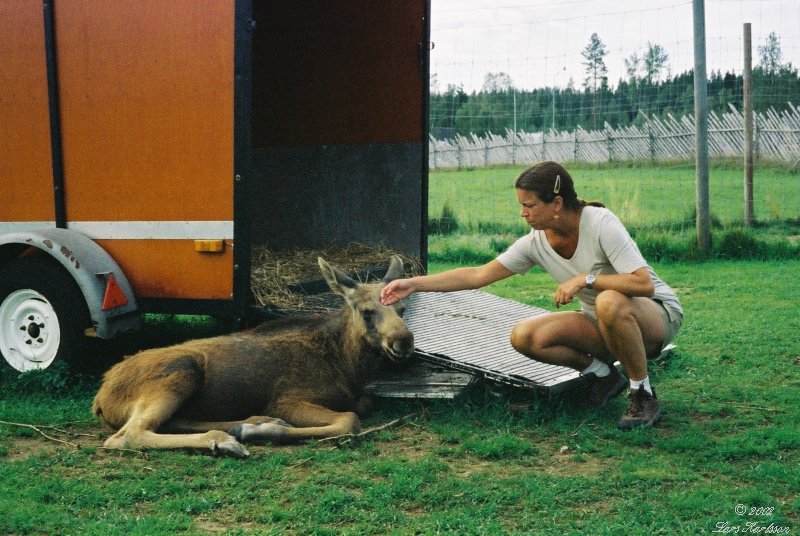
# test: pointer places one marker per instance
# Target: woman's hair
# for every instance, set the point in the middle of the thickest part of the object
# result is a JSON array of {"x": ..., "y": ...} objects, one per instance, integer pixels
[{"x": 549, "y": 179}]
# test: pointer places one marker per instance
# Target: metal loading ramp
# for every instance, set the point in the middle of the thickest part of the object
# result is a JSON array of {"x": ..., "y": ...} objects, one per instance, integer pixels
[{"x": 469, "y": 331}]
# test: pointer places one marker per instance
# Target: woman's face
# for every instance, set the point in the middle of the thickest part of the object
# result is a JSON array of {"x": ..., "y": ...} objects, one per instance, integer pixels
[{"x": 536, "y": 212}]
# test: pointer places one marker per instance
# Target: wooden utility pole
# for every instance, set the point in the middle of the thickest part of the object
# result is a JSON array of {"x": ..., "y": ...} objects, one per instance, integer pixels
[
  {"x": 748, "y": 126},
  {"x": 701, "y": 128}
]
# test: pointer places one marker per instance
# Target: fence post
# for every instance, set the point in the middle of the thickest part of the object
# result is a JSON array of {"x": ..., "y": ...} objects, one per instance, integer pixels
[
  {"x": 748, "y": 126},
  {"x": 609, "y": 142},
  {"x": 701, "y": 128}
]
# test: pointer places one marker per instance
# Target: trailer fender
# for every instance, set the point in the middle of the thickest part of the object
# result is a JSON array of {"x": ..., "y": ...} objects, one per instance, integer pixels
[{"x": 105, "y": 287}]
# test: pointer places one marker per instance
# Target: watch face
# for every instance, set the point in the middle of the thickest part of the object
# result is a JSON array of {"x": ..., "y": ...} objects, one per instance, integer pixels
[{"x": 590, "y": 279}]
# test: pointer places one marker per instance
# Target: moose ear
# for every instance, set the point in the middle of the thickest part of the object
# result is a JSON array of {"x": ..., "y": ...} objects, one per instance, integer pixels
[
  {"x": 395, "y": 270},
  {"x": 338, "y": 281}
]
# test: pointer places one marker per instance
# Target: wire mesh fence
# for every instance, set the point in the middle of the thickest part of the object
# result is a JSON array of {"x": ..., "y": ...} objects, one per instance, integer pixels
[{"x": 607, "y": 90}]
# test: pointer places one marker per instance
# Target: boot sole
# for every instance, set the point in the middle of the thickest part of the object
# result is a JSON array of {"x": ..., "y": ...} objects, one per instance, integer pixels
[{"x": 629, "y": 425}]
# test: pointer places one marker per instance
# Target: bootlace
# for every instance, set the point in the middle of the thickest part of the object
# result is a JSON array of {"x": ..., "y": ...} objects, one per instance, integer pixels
[{"x": 636, "y": 402}]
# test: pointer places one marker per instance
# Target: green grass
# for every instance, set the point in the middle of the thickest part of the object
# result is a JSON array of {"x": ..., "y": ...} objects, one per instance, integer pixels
[
  {"x": 642, "y": 196},
  {"x": 768, "y": 241},
  {"x": 730, "y": 435},
  {"x": 474, "y": 214}
]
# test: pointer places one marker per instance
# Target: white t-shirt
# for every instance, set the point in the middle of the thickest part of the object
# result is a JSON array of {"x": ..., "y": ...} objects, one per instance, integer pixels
[{"x": 604, "y": 247}]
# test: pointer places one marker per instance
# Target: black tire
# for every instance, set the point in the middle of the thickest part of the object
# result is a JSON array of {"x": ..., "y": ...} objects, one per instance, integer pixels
[{"x": 43, "y": 315}]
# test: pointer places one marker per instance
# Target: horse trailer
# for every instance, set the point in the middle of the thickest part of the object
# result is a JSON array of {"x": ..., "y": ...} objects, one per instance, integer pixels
[{"x": 146, "y": 147}]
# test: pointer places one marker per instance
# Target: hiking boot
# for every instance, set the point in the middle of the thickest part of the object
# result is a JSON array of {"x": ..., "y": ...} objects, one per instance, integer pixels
[
  {"x": 601, "y": 390},
  {"x": 643, "y": 410}
]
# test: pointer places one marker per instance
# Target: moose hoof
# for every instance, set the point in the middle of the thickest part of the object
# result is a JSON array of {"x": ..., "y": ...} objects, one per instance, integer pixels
[
  {"x": 229, "y": 447},
  {"x": 268, "y": 431}
]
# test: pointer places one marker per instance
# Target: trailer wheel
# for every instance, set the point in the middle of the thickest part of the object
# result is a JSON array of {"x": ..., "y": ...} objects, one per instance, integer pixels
[{"x": 42, "y": 313}]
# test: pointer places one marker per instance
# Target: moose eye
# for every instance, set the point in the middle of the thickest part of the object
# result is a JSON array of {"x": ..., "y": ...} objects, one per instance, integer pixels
[{"x": 369, "y": 316}]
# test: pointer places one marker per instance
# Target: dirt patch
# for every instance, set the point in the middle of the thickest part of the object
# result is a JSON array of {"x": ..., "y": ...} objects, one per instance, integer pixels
[
  {"x": 48, "y": 440},
  {"x": 205, "y": 524},
  {"x": 20, "y": 448}
]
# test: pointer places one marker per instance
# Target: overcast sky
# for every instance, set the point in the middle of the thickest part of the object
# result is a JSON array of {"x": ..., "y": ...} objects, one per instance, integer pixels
[{"x": 538, "y": 43}]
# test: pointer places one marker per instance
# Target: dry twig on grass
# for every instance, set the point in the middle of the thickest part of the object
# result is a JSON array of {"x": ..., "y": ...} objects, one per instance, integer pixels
[
  {"x": 346, "y": 438},
  {"x": 38, "y": 430},
  {"x": 76, "y": 446}
]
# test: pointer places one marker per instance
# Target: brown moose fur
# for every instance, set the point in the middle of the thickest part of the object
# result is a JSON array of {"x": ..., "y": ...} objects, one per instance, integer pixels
[{"x": 283, "y": 381}]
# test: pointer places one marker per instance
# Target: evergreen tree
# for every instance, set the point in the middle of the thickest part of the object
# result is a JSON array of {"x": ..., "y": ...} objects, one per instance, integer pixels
[{"x": 596, "y": 71}]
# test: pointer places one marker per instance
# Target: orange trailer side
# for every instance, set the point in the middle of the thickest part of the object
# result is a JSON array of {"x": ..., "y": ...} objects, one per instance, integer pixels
[
  {"x": 25, "y": 165},
  {"x": 146, "y": 94}
]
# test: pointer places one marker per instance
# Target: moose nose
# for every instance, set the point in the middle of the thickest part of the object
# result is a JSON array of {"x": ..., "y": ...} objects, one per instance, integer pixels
[{"x": 403, "y": 347}]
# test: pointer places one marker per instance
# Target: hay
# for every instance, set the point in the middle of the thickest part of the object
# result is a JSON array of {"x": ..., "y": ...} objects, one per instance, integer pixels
[{"x": 276, "y": 275}]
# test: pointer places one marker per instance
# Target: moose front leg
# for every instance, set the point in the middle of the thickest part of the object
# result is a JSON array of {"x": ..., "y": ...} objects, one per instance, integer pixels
[
  {"x": 177, "y": 426},
  {"x": 309, "y": 421}
]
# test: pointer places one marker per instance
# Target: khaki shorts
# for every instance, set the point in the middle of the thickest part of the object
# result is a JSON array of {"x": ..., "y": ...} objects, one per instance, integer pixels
[{"x": 672, "y": 322}]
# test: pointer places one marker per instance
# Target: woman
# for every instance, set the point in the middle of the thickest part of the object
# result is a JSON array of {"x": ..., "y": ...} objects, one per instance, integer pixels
[{"x": 627, "y": 312}]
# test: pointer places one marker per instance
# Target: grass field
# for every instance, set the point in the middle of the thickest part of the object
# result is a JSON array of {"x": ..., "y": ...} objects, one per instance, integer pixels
[
  {"x": 725, "y": 459},
  {"x": 474, "y": 214},
  {"x": 641, "y": 196},
  {"x": 726, "y": 455}
]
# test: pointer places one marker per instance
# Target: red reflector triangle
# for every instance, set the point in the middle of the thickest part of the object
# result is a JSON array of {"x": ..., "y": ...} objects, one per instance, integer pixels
[{"x": 114, "y": 296}]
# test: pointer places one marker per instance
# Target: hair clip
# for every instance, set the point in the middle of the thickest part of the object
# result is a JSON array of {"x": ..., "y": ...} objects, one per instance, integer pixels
[{"x": 557, "y": 185}]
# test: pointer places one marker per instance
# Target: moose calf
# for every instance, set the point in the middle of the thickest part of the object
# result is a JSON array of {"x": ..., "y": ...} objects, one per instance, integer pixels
[{"x": 283, "y": 381}]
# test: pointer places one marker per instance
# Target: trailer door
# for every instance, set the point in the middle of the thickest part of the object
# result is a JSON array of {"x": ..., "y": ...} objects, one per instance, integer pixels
[
  {"x": 146, "y": 95},
  {"x": 26, "y": 199}
]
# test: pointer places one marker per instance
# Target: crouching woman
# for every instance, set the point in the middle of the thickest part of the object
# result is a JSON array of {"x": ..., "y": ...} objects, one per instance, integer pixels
[{"x": 627, "y": 312}]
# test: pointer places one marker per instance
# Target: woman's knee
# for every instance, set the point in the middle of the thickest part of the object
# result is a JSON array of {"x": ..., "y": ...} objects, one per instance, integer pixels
[
  {"x": 611, "y": 306},
  {"x": 523, "y": 338}
]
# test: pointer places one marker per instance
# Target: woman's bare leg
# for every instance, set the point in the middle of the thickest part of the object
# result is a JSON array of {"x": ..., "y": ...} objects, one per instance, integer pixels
[
  {"x": 632, "y": 328},
  {"x": 568, "y": 339}
]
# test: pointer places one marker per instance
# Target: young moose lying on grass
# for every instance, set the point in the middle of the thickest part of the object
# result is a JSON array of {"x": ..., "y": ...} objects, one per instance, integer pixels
[{"x": 283, "y": 381}]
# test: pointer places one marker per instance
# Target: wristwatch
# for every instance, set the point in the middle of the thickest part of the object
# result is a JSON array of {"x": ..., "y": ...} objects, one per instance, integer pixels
[{"x": 590, "y": 279}]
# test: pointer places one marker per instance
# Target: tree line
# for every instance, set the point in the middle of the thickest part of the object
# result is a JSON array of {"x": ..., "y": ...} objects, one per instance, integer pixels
[{"x": 648, "y": 91}]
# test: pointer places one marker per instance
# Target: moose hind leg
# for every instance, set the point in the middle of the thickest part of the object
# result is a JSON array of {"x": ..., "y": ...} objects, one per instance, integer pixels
[
  {"x": 139, "y": 432},
  {"x": 155, "y": 405},
  {"x": 270, "y": 428}
]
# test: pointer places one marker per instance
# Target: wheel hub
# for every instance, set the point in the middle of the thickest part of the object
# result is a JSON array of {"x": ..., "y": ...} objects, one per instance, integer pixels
[
  {"x": 29, "y": 330},
  {"x": 35, "y": 331}
]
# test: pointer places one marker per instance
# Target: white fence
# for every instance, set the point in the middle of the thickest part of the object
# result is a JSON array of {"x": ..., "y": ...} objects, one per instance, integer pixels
[{"x": 777, "y": 137}]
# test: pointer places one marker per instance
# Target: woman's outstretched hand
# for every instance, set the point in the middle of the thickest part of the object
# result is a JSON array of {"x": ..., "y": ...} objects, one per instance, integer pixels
[{"x": 396, "y": 291}]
